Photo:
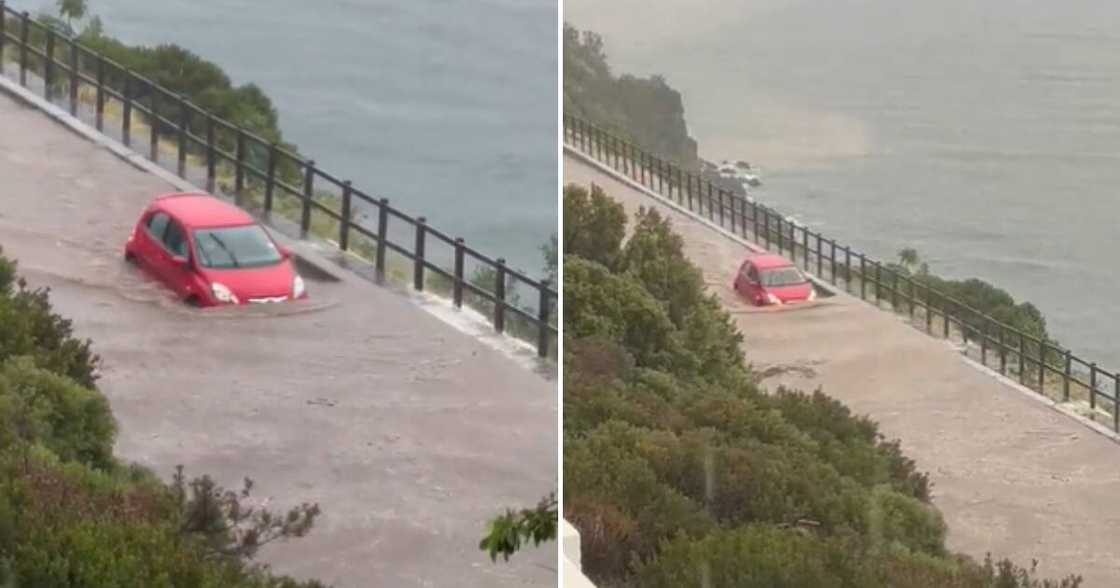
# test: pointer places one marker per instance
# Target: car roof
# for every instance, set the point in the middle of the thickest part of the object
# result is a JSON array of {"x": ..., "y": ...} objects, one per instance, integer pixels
[
  {"x": 199, "y": 210},
  {"x": 768, "y": 261}
]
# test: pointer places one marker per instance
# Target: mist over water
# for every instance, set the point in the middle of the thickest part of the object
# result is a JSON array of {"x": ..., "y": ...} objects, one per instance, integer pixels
[
  {"x": 984, "y": 134},
  {"x": 446, "y": 107}
]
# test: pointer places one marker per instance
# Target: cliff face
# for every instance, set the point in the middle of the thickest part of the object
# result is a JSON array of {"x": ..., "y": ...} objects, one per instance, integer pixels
[{"x": 646, "y": 110}]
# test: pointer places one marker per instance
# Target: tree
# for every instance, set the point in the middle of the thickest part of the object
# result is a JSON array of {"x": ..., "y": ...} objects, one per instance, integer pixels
[{"x": 72, "y": 10}]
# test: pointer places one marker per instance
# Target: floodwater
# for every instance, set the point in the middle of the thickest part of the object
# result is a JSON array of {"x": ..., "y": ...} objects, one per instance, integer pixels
[
  {"x": 984, "y": 134},
  {"x": 446, "y": 107}
]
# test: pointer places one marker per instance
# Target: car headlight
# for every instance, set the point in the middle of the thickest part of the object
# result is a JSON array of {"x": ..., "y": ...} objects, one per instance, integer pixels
[
  {"x": 772, "y": 299},
  {"x": 297, "y": 287},
  {"x": 812, "y": 294},
  {"x": 222, "y": 293}
]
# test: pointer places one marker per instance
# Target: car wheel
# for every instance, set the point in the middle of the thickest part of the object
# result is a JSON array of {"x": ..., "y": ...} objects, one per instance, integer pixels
[
  {"x": 130, "y": 257},
  {"x": 194, "y": 302}
]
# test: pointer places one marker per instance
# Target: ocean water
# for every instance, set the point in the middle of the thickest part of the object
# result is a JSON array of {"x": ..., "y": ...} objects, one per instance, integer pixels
[
  {"x": 446, "y": 107},
  {"x": 984, "y": 134}
]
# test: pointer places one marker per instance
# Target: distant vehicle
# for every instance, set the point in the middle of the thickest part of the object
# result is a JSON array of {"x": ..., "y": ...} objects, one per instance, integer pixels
[
  {"x": 211, "y": 253},
  {"x": 766, "y": 279}
]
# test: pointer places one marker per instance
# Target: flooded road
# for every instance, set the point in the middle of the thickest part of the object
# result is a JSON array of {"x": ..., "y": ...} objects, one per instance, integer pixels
[
  {"x": 409, "y": 433},
  {"x": 1012, "y": 476}
]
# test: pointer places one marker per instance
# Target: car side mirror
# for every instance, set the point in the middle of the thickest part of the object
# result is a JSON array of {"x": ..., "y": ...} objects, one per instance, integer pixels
[{"x": 285, "y": 253}]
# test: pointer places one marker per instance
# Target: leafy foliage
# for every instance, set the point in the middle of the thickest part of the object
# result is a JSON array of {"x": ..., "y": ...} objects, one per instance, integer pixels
[
  {"x": 680, "y": 471},
  {"x": 508, "y": 532}
]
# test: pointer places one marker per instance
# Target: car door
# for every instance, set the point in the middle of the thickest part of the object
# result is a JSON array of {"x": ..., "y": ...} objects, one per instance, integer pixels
[
  {"x": 149, "y": 240},
  {"x": 751, "y": 286},
  {"x": 175, "y": 251}
]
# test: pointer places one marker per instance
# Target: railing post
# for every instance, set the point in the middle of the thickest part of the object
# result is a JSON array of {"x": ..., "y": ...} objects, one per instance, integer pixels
[
  {"x": 1022, "y": 358},
  {"x": 878, "y": 274},
  {"x": 344, "y": 225},
  {"x": 894, "y": 295},
  {"x": 418, "y": 254},
  {"x": 984, "y": 344},
  {"x": 805, "y": 246},
  {"x": 1093, "y": 385},
  {"x": 820, "y": 256},
  {"x": 3, "y": 31},
  {"x": 100, "y": 110},
  {"x": 1002, "y": 352},
  {"x": 543, "y": 311},
  {"x": 944, "y": 317},
  {"x": 74, "y": 78},
  {"x": 211, "y": 153},
  {"x": 832, "y": 260},
  {"x": 1066, "y": 376},
  {"x": 1116, "y": 402},
  {"x": 382, "y": 237},
  {"x": 910, "y": 296},
  {"x": 500, "y": 296},
  {"x": 754, "y": 222},
  {"x": 457, "y": 288},
  {"x": 929, "y": 310},
  {"x": 711, "y": 205},
  {"x": 780, "y": 248},
  {"x": 126, "y": 115},
  {"x": 48, "y": 66},
  {"x": 184, "y": 124},
  {"x": 154, "y": 122},
  {"x": 862, "y": 275},
  {"x": 308, "y": 197},
  {"x": 1041, "y": 363},
  {"x": 239, "y": 166},
  {"x": 847, "y": 268},
  {"x": 270, "y": 178},
  {"x": 24, "y": 33}
]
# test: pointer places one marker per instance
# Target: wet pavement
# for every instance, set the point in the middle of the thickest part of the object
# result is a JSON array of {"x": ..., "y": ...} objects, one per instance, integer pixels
[
  {"x": 1012, "y": 476},
  {"x": 409, "y": 433}
]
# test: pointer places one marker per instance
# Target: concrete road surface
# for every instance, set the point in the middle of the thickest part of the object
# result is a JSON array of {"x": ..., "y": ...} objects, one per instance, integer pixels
[
  {"x": 1012, "y": 476},
  {"x": 408, "y": 433}
]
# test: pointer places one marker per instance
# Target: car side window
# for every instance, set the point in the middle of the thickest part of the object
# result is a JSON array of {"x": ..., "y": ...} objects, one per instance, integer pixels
[
  {"x": 752, "y": 273},
  {"x": 176, "y": 239},
  {"x": 157, "y": 224}
]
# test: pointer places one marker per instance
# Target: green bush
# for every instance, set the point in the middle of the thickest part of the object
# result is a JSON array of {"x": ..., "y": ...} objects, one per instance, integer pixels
[
  {"x": 32, "y": 329},
  {"x": 40, "y": 407}
]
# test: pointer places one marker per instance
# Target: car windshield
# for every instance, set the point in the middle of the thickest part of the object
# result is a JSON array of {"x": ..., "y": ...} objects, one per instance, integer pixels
[
  {"x": 234, "y": 247},
  {"x": 782, "y": 276}
]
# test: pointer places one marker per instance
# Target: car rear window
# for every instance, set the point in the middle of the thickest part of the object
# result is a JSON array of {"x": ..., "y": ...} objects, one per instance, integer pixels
[
  {"x": 783, "y": 276},
  {"x": 235, "y": 247}
]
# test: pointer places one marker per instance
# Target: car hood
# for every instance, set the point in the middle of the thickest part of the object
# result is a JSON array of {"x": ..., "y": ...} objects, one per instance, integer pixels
[
  {"x": 255, "y": 282},
  {"x": 793, "y": 293}
]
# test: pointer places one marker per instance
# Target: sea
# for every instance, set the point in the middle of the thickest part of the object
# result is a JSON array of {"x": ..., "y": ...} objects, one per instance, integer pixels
[{"x": 986, "y": 135}]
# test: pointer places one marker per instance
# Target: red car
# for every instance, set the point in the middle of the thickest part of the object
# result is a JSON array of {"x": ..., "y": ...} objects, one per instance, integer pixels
[
  {"x": 211, "y": 253},
  {"x": 766, "y": 278}
]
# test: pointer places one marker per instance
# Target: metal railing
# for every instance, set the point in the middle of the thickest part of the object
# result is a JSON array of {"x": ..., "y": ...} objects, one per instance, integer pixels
[
  {"x": 270, "y": 179},
  {"x": 1039, "y": 364}
]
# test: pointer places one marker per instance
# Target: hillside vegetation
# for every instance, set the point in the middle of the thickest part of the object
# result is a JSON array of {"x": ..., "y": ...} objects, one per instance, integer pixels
[
  {"x": 72, "y": 515},
  {"x": 644, "y": 110},
  {"x": 681, "y": 471}
]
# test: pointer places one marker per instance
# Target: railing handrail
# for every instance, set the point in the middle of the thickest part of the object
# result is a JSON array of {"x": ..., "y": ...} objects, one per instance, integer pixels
[
  {"x": 134, "y": 87},
  {"x": 658, "y": 173}
]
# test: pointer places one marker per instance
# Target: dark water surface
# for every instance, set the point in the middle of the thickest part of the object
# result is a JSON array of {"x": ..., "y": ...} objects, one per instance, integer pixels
[
  {"x": 984, "y": 134},
  {"x": 447, "y": 107}
]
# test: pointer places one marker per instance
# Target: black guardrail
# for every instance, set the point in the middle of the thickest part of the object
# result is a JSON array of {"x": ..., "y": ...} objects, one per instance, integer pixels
[
  {"x": 1042, "y": 365},
  {"x": 275, "y": 181}
]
